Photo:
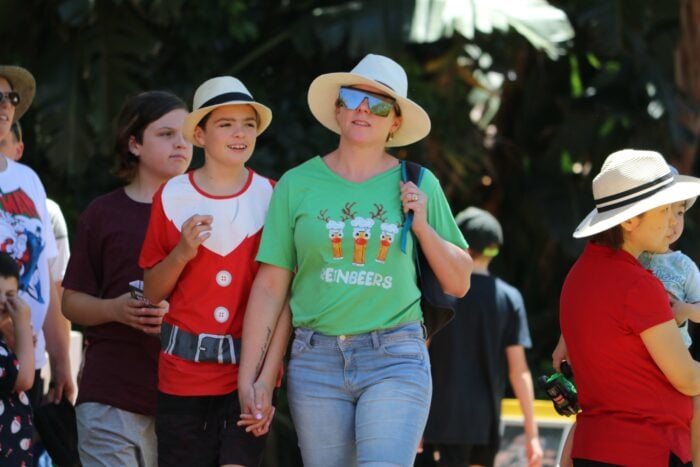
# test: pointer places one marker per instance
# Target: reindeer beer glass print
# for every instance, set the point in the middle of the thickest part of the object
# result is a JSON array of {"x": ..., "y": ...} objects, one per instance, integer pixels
[
  {"x": 335, "y": 233},
  {"x": 361, "y": 232}
]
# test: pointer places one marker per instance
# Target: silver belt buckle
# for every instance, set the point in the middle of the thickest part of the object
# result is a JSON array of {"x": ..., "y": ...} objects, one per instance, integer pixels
[{"x": 206, "y": 354}]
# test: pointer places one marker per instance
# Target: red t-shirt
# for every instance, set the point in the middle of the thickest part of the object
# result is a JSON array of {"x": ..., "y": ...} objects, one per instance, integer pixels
[
  {"x": 212, "y": 292},
  {"x": 120, "y": 366},
  {"x": 631, "y": 414}
]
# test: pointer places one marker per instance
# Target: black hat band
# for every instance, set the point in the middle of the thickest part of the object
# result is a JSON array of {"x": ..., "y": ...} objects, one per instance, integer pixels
[
  {"x": 227, "y": 97},
  {"x": 635, "y": 194}
]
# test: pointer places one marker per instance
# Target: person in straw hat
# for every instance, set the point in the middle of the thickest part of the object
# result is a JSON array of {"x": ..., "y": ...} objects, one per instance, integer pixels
[
  {"x": 359, "y": 382},
  {"x": 27, "y": 235},
  {"x": 632, "y": 370},
  {"x": 199, "y": 251}
]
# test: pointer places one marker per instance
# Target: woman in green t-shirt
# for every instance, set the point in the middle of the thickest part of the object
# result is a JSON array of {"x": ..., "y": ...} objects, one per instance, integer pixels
[{"x": 359, "y": 381}]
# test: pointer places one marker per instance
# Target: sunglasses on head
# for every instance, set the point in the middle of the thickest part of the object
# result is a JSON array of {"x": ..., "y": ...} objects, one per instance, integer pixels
[
  {"x": 379, "y": 104},
  {"x": 12, "y": 97}
]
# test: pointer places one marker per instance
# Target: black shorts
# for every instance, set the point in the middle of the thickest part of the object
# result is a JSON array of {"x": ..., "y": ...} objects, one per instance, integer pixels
[
  {"x": 463, "y": 455},
  {"x": 201, "y": 431}
]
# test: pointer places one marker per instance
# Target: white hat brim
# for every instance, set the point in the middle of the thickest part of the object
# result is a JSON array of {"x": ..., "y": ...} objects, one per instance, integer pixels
[
  {"x": 323, "y": 92},
  {"x": 22, "y": 81},
  {"x": 194, "y": 117},
  {"x": 684, "y": 188}
]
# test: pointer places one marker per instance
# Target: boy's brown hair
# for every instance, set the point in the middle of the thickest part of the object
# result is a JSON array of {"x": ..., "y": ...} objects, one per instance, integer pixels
[{"x": 136, "y": 114}]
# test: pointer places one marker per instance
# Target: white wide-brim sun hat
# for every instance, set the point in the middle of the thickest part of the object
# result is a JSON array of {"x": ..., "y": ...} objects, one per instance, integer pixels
[
  {"x": 22, "y": 82},
  {"x": 632, "y": 182},
  {"x": 218, "y": 92},
  {"x": 389, "y": 78}
]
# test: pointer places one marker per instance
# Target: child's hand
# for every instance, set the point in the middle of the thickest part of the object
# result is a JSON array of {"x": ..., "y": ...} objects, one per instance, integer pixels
[
  {"x": 194, "y": 232},
  {"x": 682, "y": 311},
  {"x": 533, "y": 449},
  {"x": 7, "y": 329},
  {"x": 19, "y": 316},
  {"x": 19, "y": 310},
  {"x": 140, "y": 314}
]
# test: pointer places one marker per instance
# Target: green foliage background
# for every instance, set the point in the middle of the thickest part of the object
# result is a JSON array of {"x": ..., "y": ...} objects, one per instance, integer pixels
[{"x": 531, "y": 166}]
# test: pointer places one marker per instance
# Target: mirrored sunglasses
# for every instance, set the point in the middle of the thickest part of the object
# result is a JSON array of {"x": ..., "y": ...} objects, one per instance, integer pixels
[
  {"x": 379, "y": 105},
  {"x": 12, "y": 97}
]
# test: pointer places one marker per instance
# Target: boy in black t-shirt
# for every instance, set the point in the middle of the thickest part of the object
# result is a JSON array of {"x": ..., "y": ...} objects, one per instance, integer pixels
[{"x": 471, "y": 357}]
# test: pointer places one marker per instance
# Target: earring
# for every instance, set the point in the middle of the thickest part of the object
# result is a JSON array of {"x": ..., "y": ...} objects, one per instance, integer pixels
[{"x": 390, "y": 137}]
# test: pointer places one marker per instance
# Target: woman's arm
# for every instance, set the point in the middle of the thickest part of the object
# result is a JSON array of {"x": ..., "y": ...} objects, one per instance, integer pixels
[
  {"x": 264, "y": 386},
  {"x": 57, "y": 335},
  {"x": 265, "y": 304},
  {"x": 666, "y": 348},
  {"x": 452, "y": 265}
]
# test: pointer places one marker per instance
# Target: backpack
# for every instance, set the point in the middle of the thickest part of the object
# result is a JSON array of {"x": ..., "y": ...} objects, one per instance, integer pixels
[{"x": 438, "y": 307}]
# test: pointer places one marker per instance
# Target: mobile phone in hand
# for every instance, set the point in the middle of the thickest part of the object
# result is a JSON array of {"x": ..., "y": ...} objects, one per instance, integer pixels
[{"x": 136, "y": 290}]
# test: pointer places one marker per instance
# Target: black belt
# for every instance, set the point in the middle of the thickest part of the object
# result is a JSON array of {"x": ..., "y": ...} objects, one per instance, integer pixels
[{"x": 214, "y": 348}]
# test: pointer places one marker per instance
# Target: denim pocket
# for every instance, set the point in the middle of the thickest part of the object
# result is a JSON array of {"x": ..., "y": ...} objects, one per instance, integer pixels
[
  {"x": 298, "y": 347},
  {"x": 413, "y": 349}
]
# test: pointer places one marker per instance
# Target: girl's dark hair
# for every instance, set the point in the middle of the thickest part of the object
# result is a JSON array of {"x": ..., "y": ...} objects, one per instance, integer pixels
[{"x": 137, "y": 113}]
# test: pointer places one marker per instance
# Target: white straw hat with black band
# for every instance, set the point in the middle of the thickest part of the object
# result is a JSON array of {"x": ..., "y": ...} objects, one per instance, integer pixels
[
  {"x": 632, "y": 182},
  {"x": 382, "y": 73},
  {"x": 218, "y": 92},
  {"x": 22, "y": 82}
]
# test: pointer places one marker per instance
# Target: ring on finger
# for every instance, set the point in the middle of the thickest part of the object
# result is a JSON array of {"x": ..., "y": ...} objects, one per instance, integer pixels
[{"x": 414, "y": 197}]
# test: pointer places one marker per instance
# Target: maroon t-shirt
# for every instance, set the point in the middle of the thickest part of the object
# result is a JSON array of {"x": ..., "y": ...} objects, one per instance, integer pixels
[{"x": 121, "y": 363}]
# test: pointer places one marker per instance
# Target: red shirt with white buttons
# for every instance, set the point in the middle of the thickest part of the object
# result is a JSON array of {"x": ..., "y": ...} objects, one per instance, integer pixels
[{"x": 211, "y": 294}]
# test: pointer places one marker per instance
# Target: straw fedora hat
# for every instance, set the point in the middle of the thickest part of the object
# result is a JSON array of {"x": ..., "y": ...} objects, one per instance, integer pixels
[
  {"x": 217, "y": 92},
  {"x": 632, "y": 182},
  {"x": 382, "y": 73},
  {"x": 23, "y": 83}
]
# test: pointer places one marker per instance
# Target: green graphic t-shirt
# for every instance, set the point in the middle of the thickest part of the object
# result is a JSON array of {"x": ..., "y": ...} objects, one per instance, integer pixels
[{"x": 343, "y": 240}]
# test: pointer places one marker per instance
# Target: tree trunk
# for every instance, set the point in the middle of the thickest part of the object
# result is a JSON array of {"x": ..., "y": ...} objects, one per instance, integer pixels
[{"x": 687, "y": 76}]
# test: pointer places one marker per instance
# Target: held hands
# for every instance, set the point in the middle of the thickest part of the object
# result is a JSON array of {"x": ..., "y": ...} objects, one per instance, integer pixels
[
  {"x": 257, "y": 411},
  {"x": 194, "y": 232},
  {"x": 412, "y": 199},
  {"x": 140, "y": 314}
]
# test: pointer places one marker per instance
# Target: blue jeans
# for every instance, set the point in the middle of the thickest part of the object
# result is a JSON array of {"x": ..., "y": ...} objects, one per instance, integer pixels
[{"x": 360, "y": 399}]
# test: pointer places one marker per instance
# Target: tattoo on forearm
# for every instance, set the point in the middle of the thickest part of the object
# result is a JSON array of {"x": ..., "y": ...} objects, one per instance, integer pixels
[{"x": 263, "y": 351}]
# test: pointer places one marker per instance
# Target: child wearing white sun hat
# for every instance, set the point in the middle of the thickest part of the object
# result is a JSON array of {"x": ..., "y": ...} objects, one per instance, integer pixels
[
  {"x": 199, "y": 251},
  {"x": 633, "y": 372}
]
